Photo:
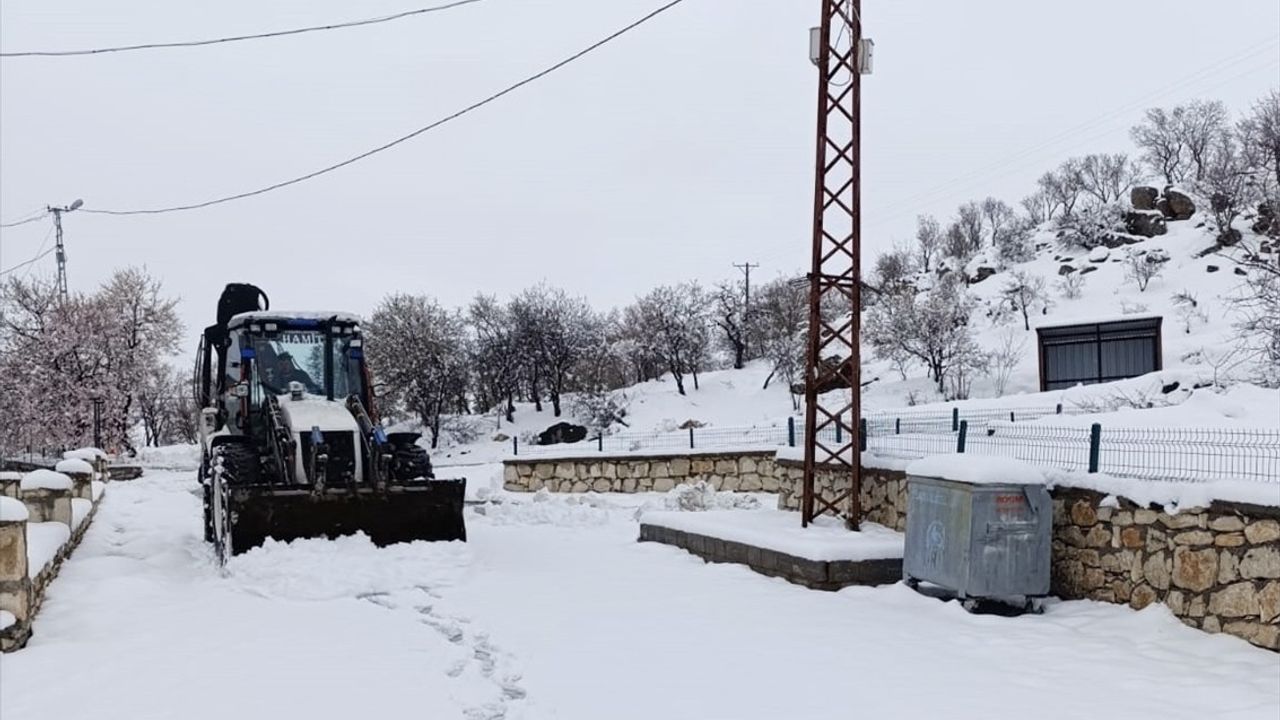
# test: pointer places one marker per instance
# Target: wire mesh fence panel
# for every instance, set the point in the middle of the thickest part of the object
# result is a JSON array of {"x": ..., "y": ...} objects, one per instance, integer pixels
[
  {"x": 1196, "y": 454},
  {"x": 1066, "y": 448},
  {"x": 912, "y": 445}
]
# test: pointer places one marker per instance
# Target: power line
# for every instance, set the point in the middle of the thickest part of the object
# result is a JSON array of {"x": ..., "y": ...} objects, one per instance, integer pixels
[
  {"x": 39, "y": 216},
  {"x": 40, "y": 254},
  {"x": 238, "y": 38},
  {"x": 404, "y": 138}
]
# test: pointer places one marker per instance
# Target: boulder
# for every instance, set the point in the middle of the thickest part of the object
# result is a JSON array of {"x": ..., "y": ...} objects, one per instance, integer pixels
[
  {"x": 1177, "y": 205},
  {"x": 982, "y": 273},
  {"x": 1143, "y": 197},
  {"x": 562, "y": 432},
  {"x": 1066, "y": 269},
  {"x": 1145, "y": 223}
]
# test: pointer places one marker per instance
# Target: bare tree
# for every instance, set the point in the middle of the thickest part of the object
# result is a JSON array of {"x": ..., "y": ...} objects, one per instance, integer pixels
[
  {"x": 956, "y": 246},
  {"x": 1063, "y": 187},
  {"x": 928, "y": 240},
  {"x": 1038, "y": 206},
  {"x": 1021, "y": 292},
  {"x": 1142, "y": 268},
  {"x": 973, "y": 226},
  {"x": 893, "y": 268},
  {"x": 1229, "y": 183},
  {"x": 496, "y": 354},
  {"x": 1257, "y": 308},
  {"x": 1187, "y": 306},
  {"x": 1000, "y": 219},
  {"x": 1106, "y": 178},
  {"x": 1202, "y": 124},
  {"x": 784, "y": 319},
  {"x": 671, "y": 322},
  {"x": 1071, "y": 285},
  {"x": 1163, "y": 143},
  {"x": 1005, "y": 359},
  {"x": 1259, "y": 134}
]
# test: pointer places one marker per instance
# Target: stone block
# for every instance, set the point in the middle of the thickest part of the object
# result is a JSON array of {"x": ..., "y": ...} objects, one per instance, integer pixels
[
  {"x": 663, "y": 484},
  {"x": 579, "y": 486},
  {"x": 1073, "y": 536},
  {"x": 1142, "y": 516},
  {"x": 544, "y": 470},
  {"x": 1110, "y": 563},
  {"x": 1233, "y": 539},
  {"x": 1194, "y": 538},
  {"x": 1131, "y": 537},
  {"x": 1122, "y": 518},
  {"x": 1156, "y": 570},
  {"x": 769, "y": 483},
  {"x": 629, "y": 485},
  {"x": 1094, "y": 578},
  {"x": 680, "y": 467},
  {"x": 609, "y": 470},
  {"x": 47, "y": 505},
  {"x": 1181, "y": 521},
  {"x": 1142, "y": 596},
  {"x": 751, "y": 483},
  {"x": 1228, "y": 568},
  {"x": 1083, "y": 514},
  {"x": 640, "y": 469},
  {"x": 1211, "y": 625},
  {"x": 1195, "y": 570},
  {"x": 1177, "y": 602},
  {"x": 1261, "y": 562},
  {"x": 747, "y": 465},
  {"x": 1269, "y": 602},
  {"x": 1235, "y": 601},
  {"x": 731, "y": 483},
  {"x": 566, "y": 471},
  {"x": 659, "y": 469},
  {"x": 1059, "y": 512},
  {"x": 510, "y": 474},
  {"x": 1227, "y": 523},
  {"x": 726, "y": 466},
  {"x": 1262, "y": 531},
  {"x": 1196, "y": 607},
  {"x": 1090, "y": 558},
  {"x": 702, "y": 466},
  {"x": 1098, "y": 537},
  {"x": 601, "y": 485},
  {"x": 1121, "y": 590},
  {"x": 1156, "y": 540}
]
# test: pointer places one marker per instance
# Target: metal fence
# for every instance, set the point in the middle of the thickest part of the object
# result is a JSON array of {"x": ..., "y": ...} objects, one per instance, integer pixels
[{"x": 1149, "y": 453}]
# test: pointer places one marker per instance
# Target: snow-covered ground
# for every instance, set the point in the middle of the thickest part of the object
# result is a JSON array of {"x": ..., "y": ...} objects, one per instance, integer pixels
[{"x": 553, "y": 610}]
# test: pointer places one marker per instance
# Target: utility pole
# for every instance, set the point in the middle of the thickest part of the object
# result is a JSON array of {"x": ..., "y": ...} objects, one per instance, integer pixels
[
  {"x": 61, "y": 249},
  {"x": 746, "y": 306},
  {"x": 833, "y": 389}
]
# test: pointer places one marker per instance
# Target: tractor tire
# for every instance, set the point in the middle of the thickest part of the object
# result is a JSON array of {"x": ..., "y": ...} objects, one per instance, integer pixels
[
  {"x": 410, "y": 463},
  {"x": 206, "y": 495},
  {"x": 230, "y": 464}
]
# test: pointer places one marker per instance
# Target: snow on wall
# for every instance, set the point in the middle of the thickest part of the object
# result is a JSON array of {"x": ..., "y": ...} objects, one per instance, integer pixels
[
  {"x": 12, "y": 510},
  {"x": 74, "y": 465},
  {"x": 45, "y": 480},
  {"x": 44, "y": 540},
  {"x": 88, "y": 453}
]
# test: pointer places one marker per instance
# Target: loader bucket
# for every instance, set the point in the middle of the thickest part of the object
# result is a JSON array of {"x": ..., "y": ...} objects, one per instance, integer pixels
[{"x": 430, "y": 510}]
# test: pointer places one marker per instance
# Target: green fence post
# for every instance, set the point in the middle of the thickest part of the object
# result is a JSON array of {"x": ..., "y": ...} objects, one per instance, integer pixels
[
  {"x": 791, "y": 432},
  {"x": 1058, "y": 410},
  {"x": 964, "y": 430},
  {"x": 1010, "y": 416},
  {"x": 515, "y": 445},
  {"x": 600, "y": 442},
  {"x": 955, "y": 419},
  {"x": 690, "y": 438},
  {"x": 839, "y": 434},
  {"x": 1095, "y": 440},
  {"x": 897, "y": 426},
  {"x": 862, "y": 435}
]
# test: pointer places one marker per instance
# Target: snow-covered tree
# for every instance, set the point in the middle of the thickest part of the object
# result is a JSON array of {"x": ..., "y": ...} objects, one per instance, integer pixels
[
  {"x": 1106, "y": 178},
  {"x": 732, "y": 316},
  {"x": 893, "y": 268},
  {"x": 1142, "y": 268},
  {"x": 1005, "y": 359},
  {"x": 932, "y": 327},
  {"x": 556, "y": 330},
  {"x": 928, "y": 240},
  {"x": 496, "y": 355},
  {"x": 671, "y": 323},
  {"x": 784, "y": 322},
  {"x": 1163, "y": 144},
  {"x": 419, "y": 352}
]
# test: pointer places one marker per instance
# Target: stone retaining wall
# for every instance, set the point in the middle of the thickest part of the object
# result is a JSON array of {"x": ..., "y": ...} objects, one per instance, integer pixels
[
  {"x": 746, "y": 472},
  {"x": 1216, "y": 568}
]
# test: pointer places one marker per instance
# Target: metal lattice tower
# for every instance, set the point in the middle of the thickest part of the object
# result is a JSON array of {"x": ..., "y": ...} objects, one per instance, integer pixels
[{"x": 833, "y": 358}]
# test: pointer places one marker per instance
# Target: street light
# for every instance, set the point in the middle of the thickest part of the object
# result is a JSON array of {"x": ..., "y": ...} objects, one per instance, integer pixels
[{"x": 62, "y": 251}]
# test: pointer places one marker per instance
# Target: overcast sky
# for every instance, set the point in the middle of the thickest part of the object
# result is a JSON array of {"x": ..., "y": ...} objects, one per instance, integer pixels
[{"x": 671, "y": 154}]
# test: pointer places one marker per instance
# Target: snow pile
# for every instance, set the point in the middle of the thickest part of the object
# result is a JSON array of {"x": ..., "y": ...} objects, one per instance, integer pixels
[
  {"x": 88, "y": 454},
  {"x": 699, "y": 497},
  {"x": 548, "y": 508},
  {"x": 171, "y": 457},
  {"x": 96, "y": 487},
  {"x": 977, "y": 470},
  {"x": 44, "y": 540},
  {"x": 314, "y": 569},
  {"x": 45, "y": 480},
  {"x": 12, "y": 510},
  {"x": 10, "y": 475},
  {"x": 826, "y": 538},
  {"x": 74, "y": 465},
  {"x": 7, "y": 619}
]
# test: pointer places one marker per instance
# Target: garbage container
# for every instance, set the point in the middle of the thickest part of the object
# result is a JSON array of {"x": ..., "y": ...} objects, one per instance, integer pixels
[{"x": 979, "y": 541}]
